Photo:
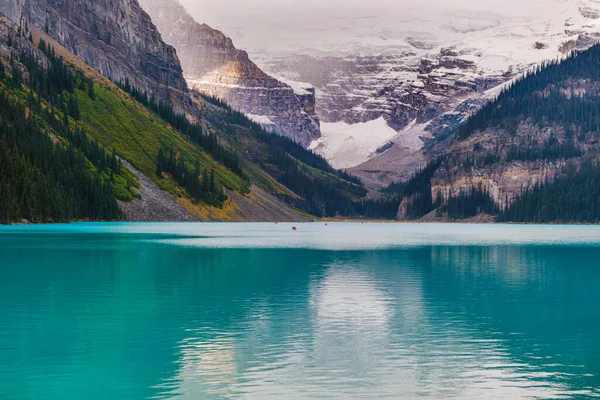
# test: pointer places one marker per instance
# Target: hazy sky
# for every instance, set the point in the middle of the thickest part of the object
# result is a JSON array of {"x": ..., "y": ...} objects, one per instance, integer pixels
[
  {"x": 222, "y": 11},
  {"x": 275, "y": 24},
  {"x": 291, "y": 6}
]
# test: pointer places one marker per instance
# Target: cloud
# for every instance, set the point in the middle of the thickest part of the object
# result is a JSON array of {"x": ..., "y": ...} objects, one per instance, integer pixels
[
  {"x": 281, "y": 24},
  {"x": 235, "y": 8}
]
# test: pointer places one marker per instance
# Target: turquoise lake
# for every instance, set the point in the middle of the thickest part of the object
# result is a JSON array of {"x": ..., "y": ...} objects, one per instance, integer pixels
[{"x": 337, "y": 311}]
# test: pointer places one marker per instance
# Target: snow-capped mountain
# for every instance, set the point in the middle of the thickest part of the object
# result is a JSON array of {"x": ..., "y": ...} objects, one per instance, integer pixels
[{"x": 422, "y": 68}]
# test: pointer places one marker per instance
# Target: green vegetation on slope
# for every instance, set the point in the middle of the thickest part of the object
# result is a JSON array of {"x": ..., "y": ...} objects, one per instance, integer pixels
[
  {"x": 206, "y": 189},
  {"x": 560, "y": 95},
  {"x": 321, "y": 190},
  {"x": 67, "y": 121},
  {"x": 136, "y": 134},
  {"x": 194, "y": 131},
  {"x": 52, "y": 171}
]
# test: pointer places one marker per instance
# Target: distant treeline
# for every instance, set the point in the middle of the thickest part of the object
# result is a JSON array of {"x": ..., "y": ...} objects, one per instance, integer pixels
[{"x": 573, "y": 196}]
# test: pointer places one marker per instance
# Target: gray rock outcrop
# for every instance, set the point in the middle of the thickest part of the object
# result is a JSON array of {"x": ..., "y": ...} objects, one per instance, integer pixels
[
  {"x": 214, "y": 66},
  {"x": 116, "y": 37}
]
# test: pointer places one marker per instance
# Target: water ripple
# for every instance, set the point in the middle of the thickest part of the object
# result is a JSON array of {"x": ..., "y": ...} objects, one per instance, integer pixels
[{"x": 187, "y": 311}]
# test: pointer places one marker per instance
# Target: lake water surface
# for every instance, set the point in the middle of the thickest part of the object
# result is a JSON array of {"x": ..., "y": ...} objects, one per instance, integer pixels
[{"x": 259, "y": 311}]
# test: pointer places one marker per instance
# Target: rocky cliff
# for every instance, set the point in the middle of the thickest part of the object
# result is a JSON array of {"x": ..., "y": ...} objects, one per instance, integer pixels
[
  {"x": 12, "y": 9},
  {"x": 400, "y": 86},
  {"x": 116, "y": 37},
  {"x": 212, "y": 65}
]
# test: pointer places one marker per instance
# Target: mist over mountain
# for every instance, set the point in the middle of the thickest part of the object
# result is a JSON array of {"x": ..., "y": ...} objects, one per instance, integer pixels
[
  {"x": 288, "y": 25},
  {"x": 423, "y": 67}
]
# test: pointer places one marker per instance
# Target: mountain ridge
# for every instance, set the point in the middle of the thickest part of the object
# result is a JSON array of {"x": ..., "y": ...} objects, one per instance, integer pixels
[
  {"x": 114, "y": 37},
  {"x": 424, "y": 68},
  {"x": 213, "y": 66}
]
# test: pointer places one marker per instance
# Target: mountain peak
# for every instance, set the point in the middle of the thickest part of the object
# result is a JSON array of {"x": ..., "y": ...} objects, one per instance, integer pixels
[{"x": 213, "y": 66}]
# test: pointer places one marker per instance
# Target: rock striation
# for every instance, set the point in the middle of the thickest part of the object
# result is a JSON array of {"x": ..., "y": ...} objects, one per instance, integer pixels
[
  {"x": 115, "y": 37},
  {"x": 214, "y": 66},
  {"x": 400, "y": 86}
]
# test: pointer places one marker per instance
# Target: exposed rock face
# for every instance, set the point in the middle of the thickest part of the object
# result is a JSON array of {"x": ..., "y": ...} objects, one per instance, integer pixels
[
  {"x": 360, "y": 89},
  {"x": 503, "y": 181},
  {"x": 116, "y": 37},
  {"x": 12, "y": 9},
  {"x": 212, "y": 65},
  {"x": 582, "y": 42},
  {"x": 423, "y": 99}
]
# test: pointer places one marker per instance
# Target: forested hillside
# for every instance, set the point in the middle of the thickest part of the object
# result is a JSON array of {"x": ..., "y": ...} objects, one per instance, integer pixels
[
  {"x": 69, "y": 128},
  {"x": 67, "y": 111},
  {"x": 529, "y": 156},
  {"x": 574, "y": 196},
  {"x": 52, "y": 171},
  {"x": 323, "y": 191}
]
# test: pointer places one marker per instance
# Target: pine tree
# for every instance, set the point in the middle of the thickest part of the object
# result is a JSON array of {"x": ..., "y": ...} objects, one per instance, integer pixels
[
  {"x": 91, "y": 90},
  {"x": 74, "y": 107},
  {"x": 160, "y": 163}
]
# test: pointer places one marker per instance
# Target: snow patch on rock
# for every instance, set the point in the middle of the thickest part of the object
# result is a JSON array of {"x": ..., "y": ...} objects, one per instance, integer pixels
[
  {"x": 261, "y": 119},
  {"x": 300, "y": 88}
]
